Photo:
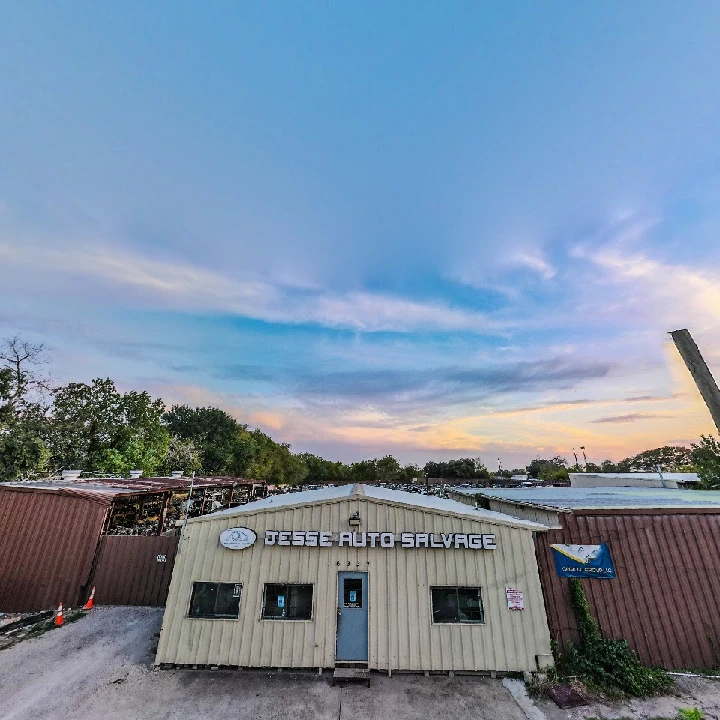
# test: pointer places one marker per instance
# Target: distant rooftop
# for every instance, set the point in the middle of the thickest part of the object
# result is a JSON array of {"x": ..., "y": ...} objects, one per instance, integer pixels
[
  {"x": 123, "y": 486},
  {"x": 602, "y": 498},
  {"x": 681, "y": 476}
]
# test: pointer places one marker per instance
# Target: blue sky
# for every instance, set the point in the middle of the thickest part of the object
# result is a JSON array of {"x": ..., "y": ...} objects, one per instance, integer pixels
[{"x": 426, "y": 229}]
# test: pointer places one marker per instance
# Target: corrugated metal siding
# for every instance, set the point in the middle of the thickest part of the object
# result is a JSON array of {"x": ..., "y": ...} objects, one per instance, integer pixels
[
  {"x": 128, "y": 572},
  {"x": 665, "y": 600},
  {"x": 549, "y": 518},
  {"x": 401, "y": 632},
  {"x": 47, "y": 545},
  {"x": 462, "y": 497}
]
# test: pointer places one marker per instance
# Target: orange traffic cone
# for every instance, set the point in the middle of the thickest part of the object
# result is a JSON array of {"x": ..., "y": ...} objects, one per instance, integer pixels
[
  {"x": 59, "y": 616},
  {"x": 91, "y": 601}
]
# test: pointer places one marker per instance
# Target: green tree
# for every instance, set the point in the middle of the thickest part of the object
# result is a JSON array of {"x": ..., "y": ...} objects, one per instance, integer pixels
[
  {"x": 706, "y": 457},
  {"x": 181, "y": 455},
  {"x": 670, "y": 458},
  {"x": 274, "y": 462},
  {"x": 463, "y": 469},
  {"x": 23, "y": 453},
  {"x": 226, "y": 446},
  {"x": 98, "y": 429},
  {"x": 365, "y": 471},
  {"x": 550, "y": 470},
  {"x": 410, "y": 473},
  {"x": 321, "y": 471},
  {"x": 389, "y": 470}
]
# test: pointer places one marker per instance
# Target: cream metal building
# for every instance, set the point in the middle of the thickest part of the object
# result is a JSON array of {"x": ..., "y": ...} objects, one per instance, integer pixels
[{"x": 357, "y": 574}]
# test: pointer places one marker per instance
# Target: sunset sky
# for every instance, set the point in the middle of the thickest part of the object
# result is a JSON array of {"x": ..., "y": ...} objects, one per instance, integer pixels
[{"x": 425, "y": 229}]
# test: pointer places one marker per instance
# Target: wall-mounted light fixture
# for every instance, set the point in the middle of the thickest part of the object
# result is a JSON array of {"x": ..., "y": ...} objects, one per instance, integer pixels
[{"x": 355, "y": 520}]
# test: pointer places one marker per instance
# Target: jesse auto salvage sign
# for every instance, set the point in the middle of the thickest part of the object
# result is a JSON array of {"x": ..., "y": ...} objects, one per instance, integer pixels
[
  {"x": 380, "y": 539},
  {"x": 241, "y": 538}
]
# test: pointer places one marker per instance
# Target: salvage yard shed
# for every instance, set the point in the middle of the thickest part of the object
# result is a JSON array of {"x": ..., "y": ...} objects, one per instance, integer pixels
[
  {"x": 59, "y": 538},
  {"x": 357, "y": 575},
  {"x": 664, "y": 598}
]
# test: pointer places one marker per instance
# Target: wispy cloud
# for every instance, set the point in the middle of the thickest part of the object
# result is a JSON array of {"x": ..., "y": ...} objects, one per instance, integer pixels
[
  {"x": 630, "y": 417},
  {"x": 105, "y": 269},
  {"x": 533, "y": 260},
  {"x": 648, "y": 287},
  {"x": 400, "y": 391}
]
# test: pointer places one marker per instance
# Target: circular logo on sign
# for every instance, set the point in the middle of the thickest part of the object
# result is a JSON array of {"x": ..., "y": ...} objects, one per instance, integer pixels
[{"x": 237, "y": 538}]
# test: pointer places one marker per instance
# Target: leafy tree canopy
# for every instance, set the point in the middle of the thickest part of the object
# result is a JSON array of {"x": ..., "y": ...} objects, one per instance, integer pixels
[
  {"x": 223, "y": 443},
  {"x": 98, "y": 429},
  {"x": 23, "y": 452},
  {"x": 552, "y": 469},
  {"x": 706, "y": 456},
  {"x": 464, "y": 468},
  {"x": 671, "y": 458}
]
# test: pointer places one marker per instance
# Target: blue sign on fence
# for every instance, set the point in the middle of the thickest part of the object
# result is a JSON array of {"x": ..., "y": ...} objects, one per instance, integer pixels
[{"x": 583, "y": 561}]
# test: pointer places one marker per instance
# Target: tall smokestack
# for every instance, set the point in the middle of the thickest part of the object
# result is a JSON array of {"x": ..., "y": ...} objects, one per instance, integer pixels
[{"x": 700, "y": 372}]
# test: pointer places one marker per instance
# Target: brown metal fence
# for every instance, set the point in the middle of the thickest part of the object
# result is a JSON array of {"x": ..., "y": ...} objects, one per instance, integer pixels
[
  {"x": 665, "y": 600},
  {"x": 134, "y": 570},
  {"x": 47, "y": 546}
]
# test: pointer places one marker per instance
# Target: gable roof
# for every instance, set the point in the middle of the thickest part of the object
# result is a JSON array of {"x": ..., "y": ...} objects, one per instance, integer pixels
[{"x": 379, "y": 494}]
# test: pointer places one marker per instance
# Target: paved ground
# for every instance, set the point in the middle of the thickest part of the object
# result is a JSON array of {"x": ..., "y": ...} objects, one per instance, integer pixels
[
  {"x": 689, "y": 693},
  {"x": 101, "y": 667}
]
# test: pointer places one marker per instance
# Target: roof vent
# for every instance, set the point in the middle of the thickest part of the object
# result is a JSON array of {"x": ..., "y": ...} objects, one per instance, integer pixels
[
  {"x": 176, "y": 474},
  {"x": 71, "y": 475},
  {"x": 135, "y": 474}
]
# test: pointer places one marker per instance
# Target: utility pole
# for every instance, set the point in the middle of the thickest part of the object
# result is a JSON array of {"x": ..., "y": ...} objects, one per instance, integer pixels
[{"x": 700, "y": 372}]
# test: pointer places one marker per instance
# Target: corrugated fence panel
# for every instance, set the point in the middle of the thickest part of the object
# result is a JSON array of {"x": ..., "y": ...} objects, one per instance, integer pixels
[
  {"x": 665, "y": 600},
  {"x": 129, "y": 572},
  {"x": 402, "y": 634},
  {"x": 47, "y": 546}
]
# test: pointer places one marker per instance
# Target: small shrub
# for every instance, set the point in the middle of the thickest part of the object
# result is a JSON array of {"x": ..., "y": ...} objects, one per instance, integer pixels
[
  {"x": 606, "y": 665},
  {"x": 690, "y": 714},
  {"x": 610, "y": 666}
]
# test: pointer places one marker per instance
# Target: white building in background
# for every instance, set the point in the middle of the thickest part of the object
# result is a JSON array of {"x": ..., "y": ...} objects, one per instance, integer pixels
[{"x": 671, "y": 481}]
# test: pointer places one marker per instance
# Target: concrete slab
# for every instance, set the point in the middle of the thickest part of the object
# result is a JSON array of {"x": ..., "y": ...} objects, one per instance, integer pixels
[{"x": 101, "y": 667}]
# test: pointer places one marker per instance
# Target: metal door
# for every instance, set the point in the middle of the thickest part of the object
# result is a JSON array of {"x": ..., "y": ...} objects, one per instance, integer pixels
[{"x": 352, "y": 629}]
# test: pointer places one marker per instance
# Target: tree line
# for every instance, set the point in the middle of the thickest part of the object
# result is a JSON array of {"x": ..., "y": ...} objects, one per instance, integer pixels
[{"x": 95, "y": 428}]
